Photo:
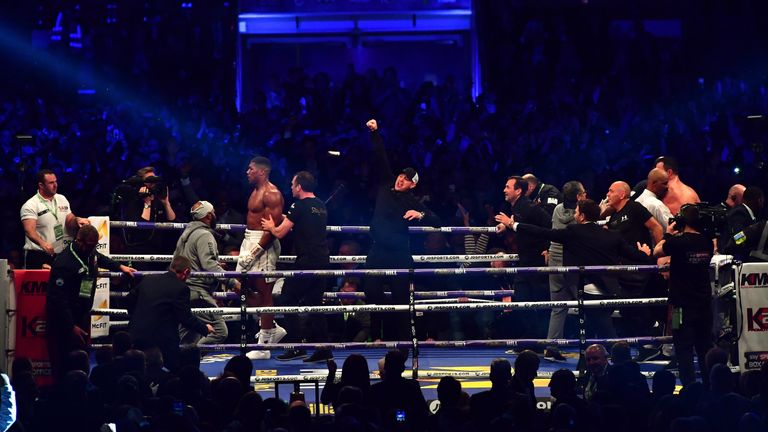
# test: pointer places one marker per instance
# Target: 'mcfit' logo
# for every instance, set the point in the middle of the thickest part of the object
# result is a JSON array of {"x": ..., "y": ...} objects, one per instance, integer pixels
[
  {"x": 754, "y": 279},
  {"x": 757, "y": 319}
]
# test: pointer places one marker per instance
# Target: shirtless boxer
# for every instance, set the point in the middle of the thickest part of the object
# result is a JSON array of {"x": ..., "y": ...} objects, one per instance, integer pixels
[
  {"x": 679, "y": 193},
  {"x": 260, "y": 250}
]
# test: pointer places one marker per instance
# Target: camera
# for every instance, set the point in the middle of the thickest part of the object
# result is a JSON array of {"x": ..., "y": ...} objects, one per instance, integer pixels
[
  {"x": 712, "y": 219},
  {"x": 155, "y": 186},
  {"x": 130, "y": 193},
  {"x": 132, "y": 188}
]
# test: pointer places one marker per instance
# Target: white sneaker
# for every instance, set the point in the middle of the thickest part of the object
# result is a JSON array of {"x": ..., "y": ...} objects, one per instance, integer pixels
[
  {"x": 278, "y": 333},
  {"x": 259, "y": 354},
  {"x": 267, "y": 336},
  {"x": 273, "y": 335}
]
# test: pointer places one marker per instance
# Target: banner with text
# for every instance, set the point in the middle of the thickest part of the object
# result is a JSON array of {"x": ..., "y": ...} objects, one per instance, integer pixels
[
  {"x": 752, "y": 313},
  {"x": 30, "y": 287},
  {"x": 100, "y": 323}
]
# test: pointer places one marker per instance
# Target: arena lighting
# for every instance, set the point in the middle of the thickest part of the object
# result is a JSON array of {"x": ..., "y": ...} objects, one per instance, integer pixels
[
  {"x": 755, "y": 116},
  {"x": 736, "y": 170},
  {"x": 334, "y": 152}
]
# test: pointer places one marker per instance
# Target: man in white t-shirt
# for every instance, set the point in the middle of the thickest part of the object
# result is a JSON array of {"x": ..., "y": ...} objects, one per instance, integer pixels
[
  {"x": 48, "y": 221},
  {"x": 656, "y": 188}
]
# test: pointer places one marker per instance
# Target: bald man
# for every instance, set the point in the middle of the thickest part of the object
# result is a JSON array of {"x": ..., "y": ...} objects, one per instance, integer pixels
[
  {"x": 595, "y": 381},
  {"x": 636, "y": 225},
  {"x": 679, "y": 192},
  {"x": 735, "y": 196},
  {"x": 630, "y": 218},
  {"x": 655, "y": 189}
]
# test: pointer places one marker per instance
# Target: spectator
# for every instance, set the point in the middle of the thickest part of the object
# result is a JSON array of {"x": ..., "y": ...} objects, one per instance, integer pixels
[
  {"x": 451, "y": 416},
  {"x": 354, "y": 373},
  {"x": 351, "y": 326},
  {"x": 395, "y": 396},
  {"x": 490, "y": 404}
]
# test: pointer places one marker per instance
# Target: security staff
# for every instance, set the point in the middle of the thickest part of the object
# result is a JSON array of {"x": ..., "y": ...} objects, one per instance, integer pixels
[
  {"x": 48, "y": 222},
  {"x": 69, "y": 299},
  {"x": 308, "y": 219}
]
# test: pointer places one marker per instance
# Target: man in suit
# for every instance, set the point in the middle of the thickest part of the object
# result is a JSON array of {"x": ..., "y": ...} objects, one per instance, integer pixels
[
  {"x": 746, "y": 213},
  {"x": 587, "y": 244},
  {"x": 528, "y": 287},
  {"x": 158, "y": 305}
]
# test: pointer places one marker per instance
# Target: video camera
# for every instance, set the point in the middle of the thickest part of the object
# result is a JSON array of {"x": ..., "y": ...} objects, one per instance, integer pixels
[
  {"x": 129, "y": 194},
  {"x": 155, "y": 186},
  {"x": 712, "y": 219}
]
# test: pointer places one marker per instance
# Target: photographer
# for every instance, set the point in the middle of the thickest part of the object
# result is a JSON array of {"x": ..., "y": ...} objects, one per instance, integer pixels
[
  {"x": 154, "y": 194},
  {"x": 690, "y": 295},
  {"x": 144, "y": 198}
]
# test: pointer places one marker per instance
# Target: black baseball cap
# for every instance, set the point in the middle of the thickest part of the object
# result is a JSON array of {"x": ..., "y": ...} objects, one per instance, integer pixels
[{"x": 411, "y": 175}]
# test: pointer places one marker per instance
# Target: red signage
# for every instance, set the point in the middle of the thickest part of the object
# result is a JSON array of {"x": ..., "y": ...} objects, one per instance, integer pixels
[{"x": 31, "y": 287}]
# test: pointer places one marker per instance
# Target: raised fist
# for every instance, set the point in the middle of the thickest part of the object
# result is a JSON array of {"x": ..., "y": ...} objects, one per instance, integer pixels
[{"x": 372, "y": 126}]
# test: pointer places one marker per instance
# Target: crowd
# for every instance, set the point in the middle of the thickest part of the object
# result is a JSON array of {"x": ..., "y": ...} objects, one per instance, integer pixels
[
  {"x": 132, "y": 390},
  {"x": 562, "y": 113}
]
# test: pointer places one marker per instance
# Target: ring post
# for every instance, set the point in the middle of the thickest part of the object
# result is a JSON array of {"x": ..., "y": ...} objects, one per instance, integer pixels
[
  {"x": 243, "y": 319},
  {"x": 412, "y": 314},
  {"x": 582, "y": 363}
]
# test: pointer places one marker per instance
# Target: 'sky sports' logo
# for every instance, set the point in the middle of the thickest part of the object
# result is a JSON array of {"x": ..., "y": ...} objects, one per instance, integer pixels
[{"x": 757, "y": 319}]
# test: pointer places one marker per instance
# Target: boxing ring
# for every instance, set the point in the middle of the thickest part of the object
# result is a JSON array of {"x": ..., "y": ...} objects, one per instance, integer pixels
[{"x": 467, "y": 360}]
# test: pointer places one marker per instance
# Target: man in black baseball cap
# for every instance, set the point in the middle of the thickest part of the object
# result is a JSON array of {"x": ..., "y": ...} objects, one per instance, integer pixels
[
  {"x": 396, "y": 209},
  {"x": 410, "y": 175}
]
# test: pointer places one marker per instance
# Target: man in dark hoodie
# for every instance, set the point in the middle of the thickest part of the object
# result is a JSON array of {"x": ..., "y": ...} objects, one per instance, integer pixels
[
  {"x": 198, "y": 243},
  {"x": 396, "y": 208}
]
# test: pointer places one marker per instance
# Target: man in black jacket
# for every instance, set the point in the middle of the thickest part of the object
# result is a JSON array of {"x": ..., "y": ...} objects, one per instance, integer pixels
[
  {"x": 528, "y": 287},
  {"x": 158, "y": 305},
  {"x": 396, "y": 208},
  {"x": 587, "y": 244},
  {"x": 541, "y": 194},
  {"x": 746, "y": 213},
  {"x": 69, "y": 299}
]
